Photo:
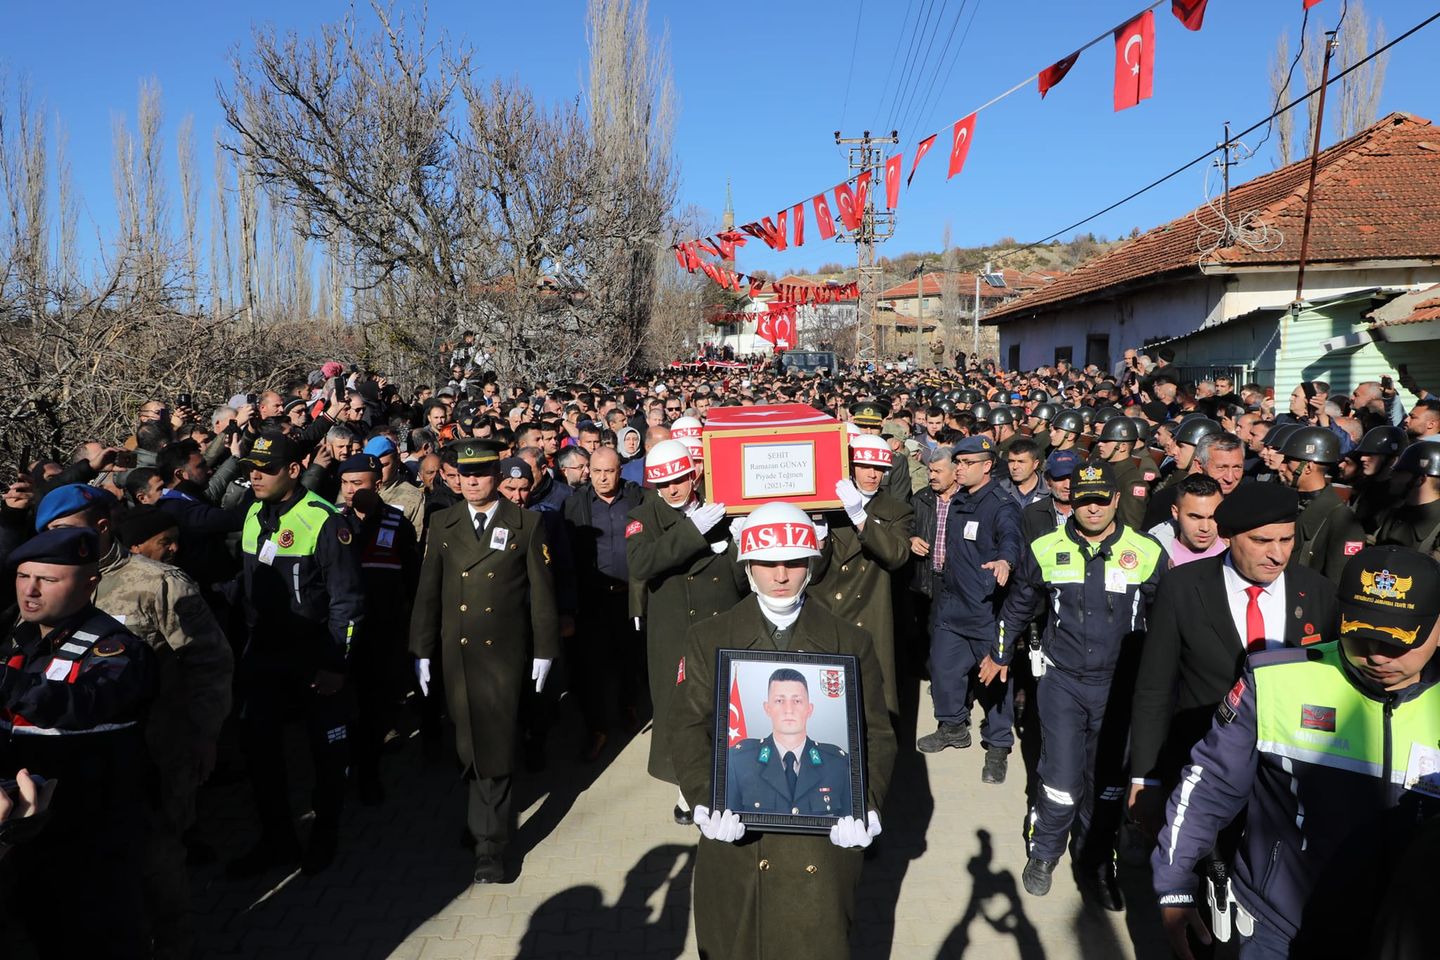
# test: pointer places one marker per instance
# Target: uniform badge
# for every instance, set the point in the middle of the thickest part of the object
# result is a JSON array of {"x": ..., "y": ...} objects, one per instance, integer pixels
[
  {"x": 1317, "y": 718},
  {"x": 815, "y": 760},
  {"x": 1310, "y": 639},
  {"x": 764, "y": 755},
  {"x": 1352, "y": 547},
  {"x": 498, "y": 538},
  {"x": 108, "y": 647},
  {"x": 285, "y": 539},
  {"x": 632, "y": 528},
  {"x": 833, "y": 683},
  {"x": 1063, "y": 557},
  {"x": 1129, "y": 560},
  {"x": 1138, "y": 490},
  {"x": 343, "y": 535},
  {"x": 1231, "y": 703}
]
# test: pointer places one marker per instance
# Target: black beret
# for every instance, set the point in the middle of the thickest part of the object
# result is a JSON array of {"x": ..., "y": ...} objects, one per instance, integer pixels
[
  {"x": 63, "y": 546},
  {"x": 360, "y": 463},
  {"x": 142, "y": 523},
  {"x": 1252, "y": 505}
]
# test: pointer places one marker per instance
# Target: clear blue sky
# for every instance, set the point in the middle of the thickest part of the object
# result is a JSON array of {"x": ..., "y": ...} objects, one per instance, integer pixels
[{"x": 762, "y": 87}]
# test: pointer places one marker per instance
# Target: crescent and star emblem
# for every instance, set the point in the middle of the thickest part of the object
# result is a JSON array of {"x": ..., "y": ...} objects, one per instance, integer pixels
[{"x": 1133, "y": 41}]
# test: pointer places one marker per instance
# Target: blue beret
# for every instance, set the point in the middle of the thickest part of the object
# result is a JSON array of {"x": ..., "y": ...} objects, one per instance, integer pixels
[
  {"x": 976, "y": 444},
  {"x": 360, "y": 463},
  {"x": 68, "y": 499},
  {"x": 67, "y": 547},
  {"x": 1062, "y": 463},
  {"x": 379, "y": 446}
]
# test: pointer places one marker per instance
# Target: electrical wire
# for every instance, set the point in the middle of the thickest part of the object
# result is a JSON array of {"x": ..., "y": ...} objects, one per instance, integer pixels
[
  {"x": 932, "y": 101},
  {"x": 922, "y": 101},
  {"x": 850, "y": 74},
  {"x": 895, "y": 55},
  {"x": 929, "y": 8},
  {"x": 1290, "y": 75},
  {"x": 923, "y": 68}
]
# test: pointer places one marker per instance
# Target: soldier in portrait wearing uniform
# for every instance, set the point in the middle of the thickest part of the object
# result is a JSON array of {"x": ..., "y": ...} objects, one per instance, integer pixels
[
  {"x": 486, "y": 607},
  {"x": 786, "y": 771},
  {"x": 680, "y": 550},
  {"x": 761, "y": 894},
  {"x": 75, "y": 685}
]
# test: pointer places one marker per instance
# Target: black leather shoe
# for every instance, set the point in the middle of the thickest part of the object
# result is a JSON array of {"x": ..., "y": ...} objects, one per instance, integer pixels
[
  {"x": 489, "y": 869},
  {"x": 266, "y": 855},
  {"x": 684, "y": 817},
  {"x": 1100, "y": 885},
  {"x": 946, "y": 735},
  {"x": 997, "y": 763},
  {"x": 1036, "y": 877}
]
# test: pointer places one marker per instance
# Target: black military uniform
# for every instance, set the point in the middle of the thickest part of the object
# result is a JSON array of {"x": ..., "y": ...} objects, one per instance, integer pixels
[
  {"x": 1129, "y": 480},
  {"x": 1411, "y": 524},
  {"x": 1371, "y": 497},
  {"x": 72, "y": 709},
  {"x": 758, "y": 779},
  {"x": 1327, "y": 534}
]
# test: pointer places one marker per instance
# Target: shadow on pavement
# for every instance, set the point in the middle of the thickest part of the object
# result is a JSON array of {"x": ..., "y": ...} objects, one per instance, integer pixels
[
  {"x": 995, "y": 900},
  {"x": 578, "y": 923}
]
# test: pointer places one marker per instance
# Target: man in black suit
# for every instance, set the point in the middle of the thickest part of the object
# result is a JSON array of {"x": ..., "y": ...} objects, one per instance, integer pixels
[{"x": 1207, "y": 616}]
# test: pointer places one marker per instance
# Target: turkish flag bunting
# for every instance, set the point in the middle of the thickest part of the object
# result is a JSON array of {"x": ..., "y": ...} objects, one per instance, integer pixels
[
  {"x": 772, "y": 233},
  {"x": 1310, "y": 3},
  {"x": 1054, "y": 73},
  {"x": 737, "y": 714},
  {"x": 728, "y": 241},
  {"x": 797, "y": 213},
  {"x": 823, "y": 219},
  {"x": 960, "y": 144},
  {"x": 1135, "y": 61},
  {"x": 765, "y": 327},
  {"x": 852, "y": 202},
  {"x": 920, "y": 150},
  {"x": 892, "y": 180},
  {"x": 1192, "y": 12}
]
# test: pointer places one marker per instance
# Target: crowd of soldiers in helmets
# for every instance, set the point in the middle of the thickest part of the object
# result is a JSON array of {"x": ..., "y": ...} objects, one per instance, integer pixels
[{"x": 277, "y": 520}]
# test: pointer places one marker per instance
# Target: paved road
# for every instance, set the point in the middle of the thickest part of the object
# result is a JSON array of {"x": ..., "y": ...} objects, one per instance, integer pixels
[{"x": 604, "y": 872}]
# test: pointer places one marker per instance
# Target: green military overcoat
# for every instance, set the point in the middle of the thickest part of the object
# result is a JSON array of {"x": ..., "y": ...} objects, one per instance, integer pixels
[
  {"x": 1327, "y": 534},
  {"x": 773, "y": 894},
  {"x": 852, "y": 576},
  {"x": 486, "y": 609},
  {"x": 685, "y": 581}
]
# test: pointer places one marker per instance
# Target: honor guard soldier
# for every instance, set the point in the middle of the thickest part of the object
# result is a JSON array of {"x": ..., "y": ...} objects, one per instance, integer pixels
[
  {"x": 969, "y": 654},
  {"x": 1093, "y": 578},
  {"x": 1415, "y": 522},
  {"x": 1065, "y": 430},
  {"x": 1115, "y": 445},
  {"x": 1187, "y": 438},
  {"x": 861, "y": 546},
  {"x": 486, "y": 608},
  {"x": 302, "y": 596},
  {"x": 1328, "y": 533},
  {"x": 1000, "y": 424},
  {"x": 74, "y": 689},
  {"x": 762, "y": 894},
  {"x": 870, "y": 416},
  {"x": 680, "y": 549},
  {"x": 1039, "y": 421},
  {"x": 1332, "y": 753},
  {"x": 1375, "y": 454},
  {"x": 384, "y": 544}
]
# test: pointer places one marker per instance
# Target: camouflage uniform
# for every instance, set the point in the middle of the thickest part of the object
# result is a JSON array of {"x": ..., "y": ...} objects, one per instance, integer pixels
[
  {"x": 409, "y": 499},
  {"x": 162, "y": 606}
]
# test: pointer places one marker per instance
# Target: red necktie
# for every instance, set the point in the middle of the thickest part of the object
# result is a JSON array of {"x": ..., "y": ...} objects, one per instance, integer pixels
[{"x": 1254, "y": 621}]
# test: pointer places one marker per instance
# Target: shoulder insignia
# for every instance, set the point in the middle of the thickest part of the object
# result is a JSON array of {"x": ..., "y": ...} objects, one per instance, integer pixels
[
  {"x": 763, "y": 756},
  {"x": 343, "y": 535},
  {"x": 108, "y": 647},
  {"x": 1138, "y": 490},
  {"x": 1129, "y": 559},
  {"x": 1062, "y": 557},
  {"x": 285, "y": 539},
  {"x": 1352, "y": 547},
  {"x": 633, "y": 527},
  {"x": 815, "y": 757}
]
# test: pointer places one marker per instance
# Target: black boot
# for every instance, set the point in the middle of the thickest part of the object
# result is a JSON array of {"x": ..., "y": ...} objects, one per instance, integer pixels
[
  {"x": 1101, "y": 886},
  {"x": 946, "y": 735},
  {"x": 997, "y": 762},
  {"x": 1036, "y": 877}
]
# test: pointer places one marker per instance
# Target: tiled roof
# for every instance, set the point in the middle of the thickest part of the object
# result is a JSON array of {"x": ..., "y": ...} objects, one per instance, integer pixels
[
  {"x": 1015, "y": 281},
  {"x": 1377, "y": 197},
  {"x": 1426, "y": 310}
]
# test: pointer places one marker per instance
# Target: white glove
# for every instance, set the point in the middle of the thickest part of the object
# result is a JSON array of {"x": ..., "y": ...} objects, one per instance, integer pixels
[
  {"x": 851, "y": 500},
  {"x": 822, "y": 530},
  {"x": 736, "y": 526},
  {"x": 539, "y": 670},
  {"x": 724, "y": 826},
  {"x": 422, "y": 674},
  {"x": 639, "y": 623},
  {"x": 720, "y": 546},
  {"x": 707, "y": 516},
  {"x": 850, "y": 833}
]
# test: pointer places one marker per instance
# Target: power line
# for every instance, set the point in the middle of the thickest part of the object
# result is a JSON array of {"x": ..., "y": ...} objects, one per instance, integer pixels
[
  {"x": 850, "y": 74},
  {"x": 913, "y": 101},
  {"x": 895, "y": 55},
  {"x": 929, "y": 6},
  {"x": 931, "y": 99},
  {"x": 1211, "y": 152},
  {"x": 923, "y": 67}
]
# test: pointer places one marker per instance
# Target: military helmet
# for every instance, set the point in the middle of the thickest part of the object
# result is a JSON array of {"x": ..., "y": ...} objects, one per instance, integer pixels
[
  {"x": 1275, "y": 439},
  {"x": 1068, "y": 420},
  {"x": 1104, "y": 415},
  {"x": 778, "y": 531},
  {"x": 1039, "y": 396},
  {"x": 1421, "y": 459},
  {"x": 1087, "y": 414},
  {"x": 1195, "y": 429},
  {"x": 1119, "y": 430},
  {"x": 1000, "y": 417},
  {"x": 1045, "y": 411},
  {"x": 1313, "y": 445},
  {"x": 981, "y": 412},
  {"x": 1383, "y": 441},
  {"x": 1143, "y": 429}
]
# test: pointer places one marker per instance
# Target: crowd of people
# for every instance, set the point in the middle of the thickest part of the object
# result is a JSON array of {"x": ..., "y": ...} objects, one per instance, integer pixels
[{"x": 1208, "y": 624}]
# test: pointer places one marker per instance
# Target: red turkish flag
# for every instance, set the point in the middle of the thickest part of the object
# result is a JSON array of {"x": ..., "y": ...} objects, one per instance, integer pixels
[
  {"x": 963, "y": 133},
  {"x": 1192, "y": 12},
  {"x": 1135, "y": 61},
  {"x": 823, "y": 219},
  {"x": 852, "y": 202},
  {"x": 782, "y": 325},
  {"x": 772, "y": 233},
  {"x": 765, "y": 326},
  {"x": 920, "y": 150},
  {"x": 737, "y": 715},
  {"x": 892, "y": 180},
  {"x": 797, "y": 213},
  {"x": 1054, "y": 73},
  {"x": 1310, "y": 3}
]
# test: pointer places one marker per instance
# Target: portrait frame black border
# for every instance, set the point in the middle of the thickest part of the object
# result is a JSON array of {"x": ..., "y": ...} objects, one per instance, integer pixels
[{"x": 854, "y": 730}]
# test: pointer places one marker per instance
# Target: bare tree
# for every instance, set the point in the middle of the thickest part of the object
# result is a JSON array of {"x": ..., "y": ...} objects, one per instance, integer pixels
[
  {"x": 1280, "y": 66},
  {"x": 1360, "y": 91},
  {"x": 189, "y": 208},
  {"x": 950, "y": 309}
]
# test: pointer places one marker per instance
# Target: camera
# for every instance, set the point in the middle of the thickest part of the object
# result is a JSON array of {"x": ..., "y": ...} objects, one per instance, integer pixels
[
  {"x": 252, "y": 398},
  {"x": 183, "y": 401}
]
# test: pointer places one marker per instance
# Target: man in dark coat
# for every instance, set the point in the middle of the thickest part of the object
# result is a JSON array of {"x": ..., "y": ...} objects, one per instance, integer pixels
[
  {"x": 486, "y": 605},
  {"x": 760, "y": 894},
  {"x": 680, "y": 549}
]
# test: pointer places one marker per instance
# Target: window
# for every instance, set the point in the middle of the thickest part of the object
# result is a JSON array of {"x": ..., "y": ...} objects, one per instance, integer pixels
[
  {"x": 1065, "y": 353},
  {"x": 1014, "y": 362},
  {"x": 1097, "y": 350}
]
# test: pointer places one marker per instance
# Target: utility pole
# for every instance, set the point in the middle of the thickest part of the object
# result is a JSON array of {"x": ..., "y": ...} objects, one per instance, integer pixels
[
  {"x": 875, "y": 227},
  {"x": 975, "y": 316},
  {"x": 920, "y": 323},
  {"x": 1225, "y": 164}
]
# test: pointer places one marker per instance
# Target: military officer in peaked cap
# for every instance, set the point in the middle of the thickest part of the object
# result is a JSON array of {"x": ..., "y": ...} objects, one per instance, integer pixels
[
  {"x": 869, "y": 416},
  {"x": 486, "y": 609}
]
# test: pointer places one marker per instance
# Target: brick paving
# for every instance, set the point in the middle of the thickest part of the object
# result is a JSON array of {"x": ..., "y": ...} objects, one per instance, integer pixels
[{"x": 604, "y": 872}]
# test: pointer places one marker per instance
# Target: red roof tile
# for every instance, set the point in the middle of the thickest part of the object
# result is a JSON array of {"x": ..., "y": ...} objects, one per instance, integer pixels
[{"x": 1377, "y": 197}]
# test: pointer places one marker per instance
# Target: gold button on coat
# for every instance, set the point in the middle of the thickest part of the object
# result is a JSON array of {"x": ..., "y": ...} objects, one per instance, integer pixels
[
  {"x": 811, "y": 868},
  {"x": 463, "y": 641},
  {"x": 463, "y": 608},
  {"x": 764, "y": 864}
]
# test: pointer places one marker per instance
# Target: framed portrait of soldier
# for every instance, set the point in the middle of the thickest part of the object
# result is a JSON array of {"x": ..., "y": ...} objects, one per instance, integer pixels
[{"x": 789, "y": 751}]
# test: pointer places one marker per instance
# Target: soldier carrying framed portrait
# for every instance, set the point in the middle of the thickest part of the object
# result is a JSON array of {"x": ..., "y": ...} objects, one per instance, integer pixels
[{"x": 789, "y": 752}]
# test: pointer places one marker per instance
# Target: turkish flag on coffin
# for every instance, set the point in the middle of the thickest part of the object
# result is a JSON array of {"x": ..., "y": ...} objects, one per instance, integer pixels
[
  {"x": 737, "y": 715},
  {"x": 1135, "y": 61},
  {"x": 960, "y": 144}
]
